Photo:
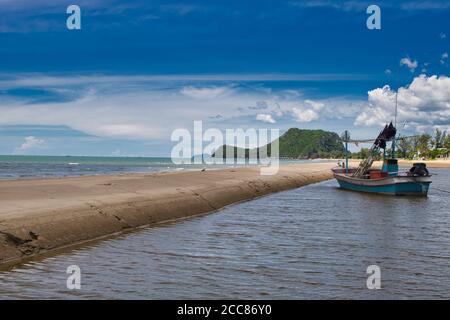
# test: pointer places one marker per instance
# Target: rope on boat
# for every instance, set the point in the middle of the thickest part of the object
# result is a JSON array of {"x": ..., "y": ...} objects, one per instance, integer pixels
[{"x": 356, "y": 141}]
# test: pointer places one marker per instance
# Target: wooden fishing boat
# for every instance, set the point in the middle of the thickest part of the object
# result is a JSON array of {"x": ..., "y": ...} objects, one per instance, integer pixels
[
  {"x": 399, "y": 185},
  {"x": 387, "y": 179}
]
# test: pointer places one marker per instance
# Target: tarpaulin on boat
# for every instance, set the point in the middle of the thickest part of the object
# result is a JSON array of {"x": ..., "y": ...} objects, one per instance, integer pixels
[{"x": 387, "y": 134}]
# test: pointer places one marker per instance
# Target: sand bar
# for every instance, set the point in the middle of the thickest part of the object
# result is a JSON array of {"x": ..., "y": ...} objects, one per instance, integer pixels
[{"x": 39, "y": 216}]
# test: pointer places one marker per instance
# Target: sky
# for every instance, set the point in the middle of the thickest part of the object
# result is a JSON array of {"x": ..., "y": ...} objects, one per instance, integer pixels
[{"x": 137, "y": 70}]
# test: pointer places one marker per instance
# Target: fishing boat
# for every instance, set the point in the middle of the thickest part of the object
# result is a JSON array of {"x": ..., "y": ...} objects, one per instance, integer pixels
[{"x": 387, "y": 179}]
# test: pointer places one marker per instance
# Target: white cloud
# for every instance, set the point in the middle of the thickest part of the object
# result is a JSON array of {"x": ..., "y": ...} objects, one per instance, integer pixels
[
  {"x": 265, "y": 118},
  {"x": 442, "y": 35},
  {"x": 289, "y": 93},
  {"x": 301, "y": 115},
  {"x": 337, "y": 108},
  {"x": 43, "y": 80},
  {"x": 424, "y": 104},
  {"x": 30, "y": 143},
  {"x": 205, "y": 93},
  {"x": 151, "y": 107},
  {"x": 120, "y": 108},
  {"x": 334, "y": 108},
  {"x": 315, "y": 105},
  {"x": 388, "y": 71},
  {"x": 410, "y": 64}
]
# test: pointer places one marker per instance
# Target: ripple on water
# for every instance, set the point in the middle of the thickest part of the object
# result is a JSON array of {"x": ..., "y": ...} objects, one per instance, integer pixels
[{"x": 312, "y": 242}]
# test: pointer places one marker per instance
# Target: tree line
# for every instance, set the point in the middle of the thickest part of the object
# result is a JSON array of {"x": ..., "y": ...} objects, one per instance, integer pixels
[{"x": 417, "y": 147}]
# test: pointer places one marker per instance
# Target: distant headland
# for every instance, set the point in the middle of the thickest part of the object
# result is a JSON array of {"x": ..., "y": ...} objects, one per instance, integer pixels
[{"x": 293, "y": 144}]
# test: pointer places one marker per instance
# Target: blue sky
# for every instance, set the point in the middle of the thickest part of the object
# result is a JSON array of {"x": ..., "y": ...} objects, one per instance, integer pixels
[{"x": 137, "y": 70}]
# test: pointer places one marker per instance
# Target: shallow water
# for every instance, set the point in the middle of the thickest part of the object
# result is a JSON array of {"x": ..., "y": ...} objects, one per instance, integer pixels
[
  {"x": 25, "y": 167},
  {"x": 18, "y": 167},
  {"x": 312, "y": 242}
]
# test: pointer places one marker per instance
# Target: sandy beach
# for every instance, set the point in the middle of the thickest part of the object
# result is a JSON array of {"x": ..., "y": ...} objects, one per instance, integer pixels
[
  {"x": 409, "y": 163},
  {"x": 430, "y": 163},
  {"x": 42, "y": 215}
]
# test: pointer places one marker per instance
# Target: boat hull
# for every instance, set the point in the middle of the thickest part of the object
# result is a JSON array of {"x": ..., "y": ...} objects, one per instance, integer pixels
[{"x": 393, "y": 185}]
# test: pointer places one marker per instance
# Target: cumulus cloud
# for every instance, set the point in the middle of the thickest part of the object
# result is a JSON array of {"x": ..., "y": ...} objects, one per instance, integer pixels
[
  {"x": 310, "y": 110},
  {"x": 442, "y": 35},
  {"x": 424, "y": 104},
  {"x": 30, "y": 143},
  {"x": 388, "y": 71},
  {"x": 409, "y": 63},
  {"x": 315, "y": 105},
  {"x": 304, "y": 115},
  {"x": 265, "y": 118}
]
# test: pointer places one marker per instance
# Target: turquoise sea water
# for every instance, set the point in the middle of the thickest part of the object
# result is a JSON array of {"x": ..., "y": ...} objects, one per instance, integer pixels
[
  {"x": 16, "y": 167},
  {"x": 23, "y": 167}
]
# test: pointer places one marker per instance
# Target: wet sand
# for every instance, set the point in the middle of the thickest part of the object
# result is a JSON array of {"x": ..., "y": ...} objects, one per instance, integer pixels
[{"x": 43, "y": 215}]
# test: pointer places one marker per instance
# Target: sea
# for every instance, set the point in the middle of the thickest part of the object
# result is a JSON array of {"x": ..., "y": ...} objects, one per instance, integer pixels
[
  {"x": 26, "y": 167},
  {"x": 19, "y": 167}
]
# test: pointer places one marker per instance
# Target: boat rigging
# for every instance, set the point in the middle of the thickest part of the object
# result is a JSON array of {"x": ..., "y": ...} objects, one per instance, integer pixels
[{"x": 387, "y": 179}]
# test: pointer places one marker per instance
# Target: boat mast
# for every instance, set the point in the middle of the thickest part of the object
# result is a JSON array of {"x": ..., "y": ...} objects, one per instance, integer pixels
[
  {"x": 347, "y": 137},
  {"x": 395, "y": 124},
  {"x": 395, "y": 114}
]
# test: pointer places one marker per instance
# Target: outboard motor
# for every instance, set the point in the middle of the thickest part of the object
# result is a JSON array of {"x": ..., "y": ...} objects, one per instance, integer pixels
[{"x": 418, "y": 169}]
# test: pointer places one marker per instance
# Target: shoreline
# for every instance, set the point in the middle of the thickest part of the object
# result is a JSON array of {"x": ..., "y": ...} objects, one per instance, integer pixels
[
  {"x": 444, "y": 164},
  {"x": 41, "y": 216},
  {"x": 167, "y": 167}
]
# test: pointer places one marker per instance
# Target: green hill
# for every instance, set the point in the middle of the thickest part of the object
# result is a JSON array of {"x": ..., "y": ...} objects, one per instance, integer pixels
[{"x": 297, "y": 144}]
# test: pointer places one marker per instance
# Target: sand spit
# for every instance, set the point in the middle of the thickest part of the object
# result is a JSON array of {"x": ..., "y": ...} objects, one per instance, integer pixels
[{"x": 43, "y": 215}]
